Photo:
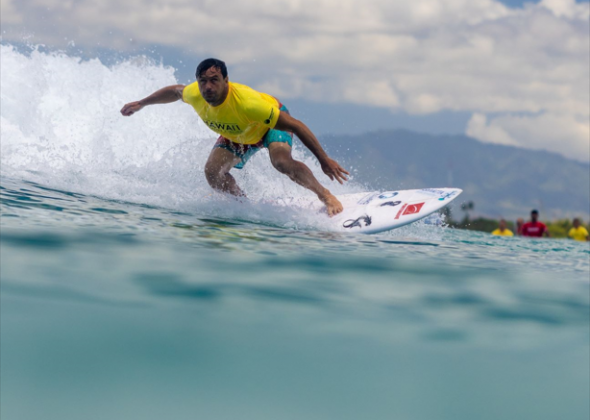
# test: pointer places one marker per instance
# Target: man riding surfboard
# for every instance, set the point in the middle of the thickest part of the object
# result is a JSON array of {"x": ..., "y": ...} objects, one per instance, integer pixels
[{"x": 247, "y": 121}]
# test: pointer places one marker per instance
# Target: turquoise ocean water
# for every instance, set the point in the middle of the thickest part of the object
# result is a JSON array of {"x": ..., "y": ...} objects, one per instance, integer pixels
[{"x": 129, "y": 290}]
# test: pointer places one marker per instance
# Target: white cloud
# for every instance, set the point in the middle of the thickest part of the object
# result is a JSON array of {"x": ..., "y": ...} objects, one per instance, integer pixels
[
  {"x": 479, "y": 128},
  {"x": 558, "y": 133},
  {"x": 10, "y": 15},
  {"x": 566, "y": 8},
  {"x": 419, "y": 56}
]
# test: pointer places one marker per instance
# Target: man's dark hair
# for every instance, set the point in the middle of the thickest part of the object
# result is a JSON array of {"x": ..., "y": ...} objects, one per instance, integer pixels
[
  {"x": 211, "y": 62},
  {"x": 535, "y": 212}
]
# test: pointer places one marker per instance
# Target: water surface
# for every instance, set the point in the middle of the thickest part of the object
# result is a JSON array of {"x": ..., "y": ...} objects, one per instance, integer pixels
[{"x": 114, "y": 309}]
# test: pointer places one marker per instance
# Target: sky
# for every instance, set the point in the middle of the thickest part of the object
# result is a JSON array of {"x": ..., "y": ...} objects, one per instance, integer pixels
[{"x": 513, "y": 72}]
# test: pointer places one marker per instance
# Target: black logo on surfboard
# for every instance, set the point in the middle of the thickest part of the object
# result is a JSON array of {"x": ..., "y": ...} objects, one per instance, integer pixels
[
  {"x": 357, "y": 223},
  {"x": 391, "y": 203}
]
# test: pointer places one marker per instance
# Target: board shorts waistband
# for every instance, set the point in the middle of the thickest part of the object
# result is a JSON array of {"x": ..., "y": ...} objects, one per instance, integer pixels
[{"x": 246, "y": 151}]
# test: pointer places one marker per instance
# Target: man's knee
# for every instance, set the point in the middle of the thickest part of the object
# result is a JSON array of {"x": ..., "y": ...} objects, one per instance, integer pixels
[
  {"x": 213, "y": 174},
  {"x": 283, "y": 164}
]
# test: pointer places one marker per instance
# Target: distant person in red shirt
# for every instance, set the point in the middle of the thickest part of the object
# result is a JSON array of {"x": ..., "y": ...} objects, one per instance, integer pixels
[{"x": 534, "y": 228}]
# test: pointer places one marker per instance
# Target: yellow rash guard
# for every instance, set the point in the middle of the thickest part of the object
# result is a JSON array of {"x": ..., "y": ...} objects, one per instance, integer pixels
[
  {"x": 578, "y": 234},
  {"x": 505, "y": 232},
  {"x": 244, "y": 117}
]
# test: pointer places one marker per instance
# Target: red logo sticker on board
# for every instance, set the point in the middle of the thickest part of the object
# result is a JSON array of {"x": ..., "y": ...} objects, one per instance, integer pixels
[
  {"x": 399, "y": 213},
  {"x": 412, "y": 209}
]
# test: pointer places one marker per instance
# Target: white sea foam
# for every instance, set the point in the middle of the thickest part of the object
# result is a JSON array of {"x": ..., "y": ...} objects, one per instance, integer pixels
[{"x": 61, "y": 126}]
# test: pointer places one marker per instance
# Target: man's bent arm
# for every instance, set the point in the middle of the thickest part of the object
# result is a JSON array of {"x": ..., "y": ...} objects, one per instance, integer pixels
[
  {"x": 288, "y": 123},
  {"x": 329, "y": 166},
  {"x": 163, "y": 96}
]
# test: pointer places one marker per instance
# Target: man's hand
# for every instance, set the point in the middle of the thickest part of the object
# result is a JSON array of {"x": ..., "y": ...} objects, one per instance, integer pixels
[
  {"x": 131, "y": 108},
  {"x": 334, "y": 170}
]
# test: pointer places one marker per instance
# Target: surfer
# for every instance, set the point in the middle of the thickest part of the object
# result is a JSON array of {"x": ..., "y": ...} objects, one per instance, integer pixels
[
  {"x": 534, "y": 228},
  {"x": 578, "y": 232},
  {"x": 502, "y": 229},
  {"x": 247, "y": 121}
]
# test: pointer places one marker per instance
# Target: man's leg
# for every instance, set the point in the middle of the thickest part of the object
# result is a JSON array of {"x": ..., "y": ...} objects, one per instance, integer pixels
[
  {"x": 217, "y": 170},
  {"x": 280, "y": 156}
]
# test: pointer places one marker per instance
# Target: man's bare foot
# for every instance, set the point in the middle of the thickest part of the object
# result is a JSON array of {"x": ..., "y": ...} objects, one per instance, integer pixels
[{"x": 333, "y": 206}]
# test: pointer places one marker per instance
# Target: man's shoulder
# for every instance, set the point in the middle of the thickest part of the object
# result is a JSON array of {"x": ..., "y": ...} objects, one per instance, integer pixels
[
  {"x": 191, "y": 92},
  {"x": 241, "y": 88},
  {"x": 249, "y": 94},
  {"x": 246, "y": 94}
]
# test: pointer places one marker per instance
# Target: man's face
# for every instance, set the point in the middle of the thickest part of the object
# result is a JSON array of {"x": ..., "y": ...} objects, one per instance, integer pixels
[
  {"x": 576, "y": 223},
  {"x": 534, "y": 216},
  {"x": 502, "y": 224},
  {"x": 213, "y": 86}
]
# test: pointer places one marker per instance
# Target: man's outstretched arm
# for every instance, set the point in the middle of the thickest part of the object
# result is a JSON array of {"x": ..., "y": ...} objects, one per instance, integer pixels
[
  {"x": 163, "y": 96},
  {"x": 329, "y": 166}
]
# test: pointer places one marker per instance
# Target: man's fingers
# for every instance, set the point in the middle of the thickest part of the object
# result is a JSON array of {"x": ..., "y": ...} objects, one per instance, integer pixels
[
  {"x": 337, "y": 176},
  {"x": 341, "y": 177},
  {"x": 336, "y": 172},
  {"x": 341, "y": 169}
]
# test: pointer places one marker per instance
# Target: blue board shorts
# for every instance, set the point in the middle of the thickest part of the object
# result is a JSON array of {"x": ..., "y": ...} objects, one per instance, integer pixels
[{"x": 246, "y": 151}]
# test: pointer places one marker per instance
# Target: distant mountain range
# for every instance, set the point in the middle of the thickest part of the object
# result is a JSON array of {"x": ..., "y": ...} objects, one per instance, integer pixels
[{"x": 502, "y": 181}]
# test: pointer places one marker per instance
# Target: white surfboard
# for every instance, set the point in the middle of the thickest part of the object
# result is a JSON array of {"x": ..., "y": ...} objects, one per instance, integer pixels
[{"x": 377, "y": 211}]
